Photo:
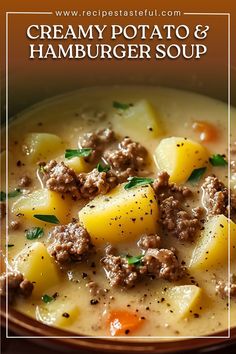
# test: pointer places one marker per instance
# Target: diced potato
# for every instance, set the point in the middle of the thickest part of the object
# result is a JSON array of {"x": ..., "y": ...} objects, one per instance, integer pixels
[
  {"x": 77, "y": 164},
  {"x": 42, "y": 146},
  {"x": 185, "y": 299},
  {"x": 179, "y": 157},
  {"x": 141, "y": 122},
  {"x": 43, "y": 201},
  {"x": 212, "y": 246},
  {"x": 121, "y": 215},
  {"x": 38, "y": 266},
  {"x": 59, "y": 313}
]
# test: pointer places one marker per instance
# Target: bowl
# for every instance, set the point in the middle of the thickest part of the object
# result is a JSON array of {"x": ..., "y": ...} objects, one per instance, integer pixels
[{"x": 62, "y": 340}]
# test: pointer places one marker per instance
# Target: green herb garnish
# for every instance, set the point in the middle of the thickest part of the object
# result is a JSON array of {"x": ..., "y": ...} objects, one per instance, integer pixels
[
  {"x": 196, "y": 174},
  {"x": 46, "y": 298},
  {"x": 69, "y": 154},
  {"x": 218, "y": 160},
  {"x": 42, "y": 169},
  {"x": 120, "y": 105},
  {"x": 102, "y": 168},
  {"x": 134, "y": 260},
  {"x": 138, "y": 181},
  {"x": 12, "y": 194},
  {"x": 47, "y": 218},
  {"x": 34, "y": 233}
]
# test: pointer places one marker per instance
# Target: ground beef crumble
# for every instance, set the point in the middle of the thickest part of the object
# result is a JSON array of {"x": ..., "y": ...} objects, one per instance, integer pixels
[
  {"x": 149, "y": 241},
  {"x": 69, "y": 243},
  {"x": 95, "y": 182},
  {"x": 119, "y": 272},
  {"x": 60, "y": 178},
  {"x": 176, "y": 221},
  {"x": 215, "y": 196},
  {"x": 223, "y": 288},
  {"x": 160, "y": 263},
  {"x": 17, "y": 286},
  {"x": 97, "y": 141},
  {"x": 129, "y": 159},
  {"x": 25, "y": 181},
  {"x": 164, "y": 189}
]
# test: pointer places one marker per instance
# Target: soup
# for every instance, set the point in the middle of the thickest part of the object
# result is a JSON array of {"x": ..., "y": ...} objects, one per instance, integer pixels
[{"x": 119, "y": 215}]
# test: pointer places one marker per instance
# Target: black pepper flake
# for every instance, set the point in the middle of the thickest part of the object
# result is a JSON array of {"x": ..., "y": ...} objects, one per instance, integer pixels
[
  {"x": 127, "y": 331},
  {"x": 19, "y": 163},
  {"x": 66, "y": 315},
  {"x": 94, "y": 302},
  {"x": 222, "y": 226},
  {"x": 84, "y": 275},
  {"x": 196, "y": 315}
]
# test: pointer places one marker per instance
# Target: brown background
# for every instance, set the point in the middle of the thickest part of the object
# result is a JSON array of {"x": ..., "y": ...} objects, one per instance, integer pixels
[{"x": 32, "y": 80}]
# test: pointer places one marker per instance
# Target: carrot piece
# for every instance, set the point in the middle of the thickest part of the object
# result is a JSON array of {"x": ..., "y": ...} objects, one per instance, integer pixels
[
  {"x": 208, "y": 132},
  {"x": 121, "y": 322}
]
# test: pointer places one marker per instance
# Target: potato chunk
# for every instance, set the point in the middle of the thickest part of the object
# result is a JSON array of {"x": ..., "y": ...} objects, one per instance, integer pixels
[
  {"x": 141, "y": 122},
  {"x": 121, "y": 215},
  {"x": 39, "y": 267},
  {"x": 42, "y": 146},
  {"x": 59, "y": 313},
  {"x": 43, "y": 201},
  {"x": 185, "y": 299},
  {"x": 77, "y": 164},
  {"x": 212, "y": 246},
  {"x": 179, "y": 157}
]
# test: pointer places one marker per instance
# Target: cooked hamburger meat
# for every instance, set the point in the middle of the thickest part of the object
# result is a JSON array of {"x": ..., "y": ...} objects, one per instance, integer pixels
[
  {"x": 17, "y": 286},
  {"x": 223, "y": 288},
  {"x": 215, "y": 196},
  {"x": 25, "y": 181},
  {"x": 97, "y": 141},
  {"x": 127, "y": 160},
  {"x": 161, "y": 263},
  {"x": 60, "y": 178},
  {"x": 69, "y": 243},
  {"x": 164, "y": 189},
  {"x": 177, "y": 221},
  {"x": 95, "y": 182},
  {"x": 119, "y": 272},
  {"x": 149, "y": 241}
]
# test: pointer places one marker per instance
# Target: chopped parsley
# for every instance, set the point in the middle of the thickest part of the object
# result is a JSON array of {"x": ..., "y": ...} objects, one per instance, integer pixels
[
  {"x": 134, "y": 260},
  {"x": 34, "y": 233},
  {"x": 102, "y": 168},
  {"x": 12, "y": 194},
  {"x": 218, "y": 160},
  {"x": 138, "y": 181},
  {"x": 120, "y": 105},
  {"x": 197, "y": 174},
  {"x": 47, "y": 298},
  {"x": 47, "y": 218},
  {"x": 69, "y": 154}
]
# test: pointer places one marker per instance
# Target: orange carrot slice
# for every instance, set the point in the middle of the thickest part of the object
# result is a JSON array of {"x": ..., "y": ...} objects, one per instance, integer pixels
[
  {"x": 121, "y": 322},
  {"x": 208, "y": 132}
]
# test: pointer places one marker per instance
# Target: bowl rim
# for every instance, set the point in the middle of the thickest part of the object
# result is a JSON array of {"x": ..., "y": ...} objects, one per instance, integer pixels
[{"x": 24, "y": 325}]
